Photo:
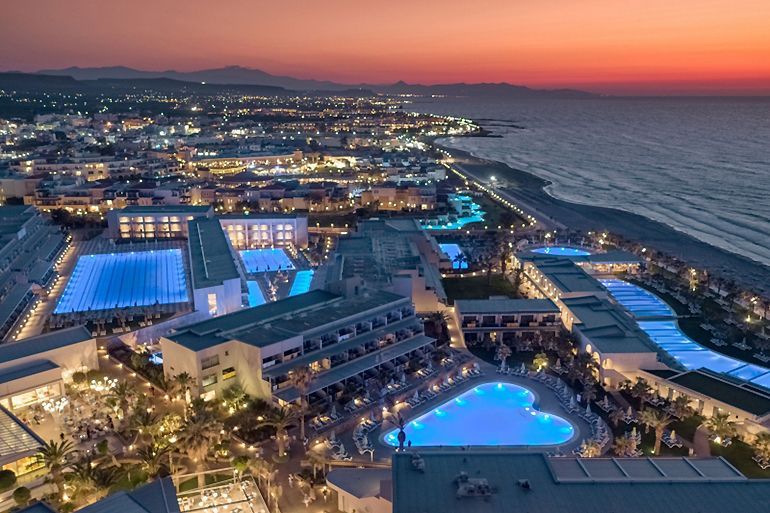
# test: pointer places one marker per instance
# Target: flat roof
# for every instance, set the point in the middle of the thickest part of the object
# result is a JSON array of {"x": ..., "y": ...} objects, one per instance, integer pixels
[
  {"x": 26, "y": 369},
  {"x": 496, "y": 305},
  {"x": 363, "y": 482},
  {"x": 535, "y": 483},
  {"x": 211, "y": 261},
  {"x": 722, "y": 390},
  {"x": 42, "y": 343},
  {"x": 220, "y": 329},
  {"x": 158, "y": 496},
  {"x": 608, "y": 326},
  {"x": 166, "y": 209},
  {"x": 565, "y": 275}
]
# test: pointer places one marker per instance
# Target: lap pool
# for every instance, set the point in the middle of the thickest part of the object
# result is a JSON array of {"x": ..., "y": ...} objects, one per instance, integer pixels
[
  {"x": 658, "y": 321},
  {"x": 561, "y": 251},
  {"x": 302, "y": 282},
  {"x": 267, "y": 259},
  {"x": 122, "y": 280},
  {"x": 489, "y": 414}
]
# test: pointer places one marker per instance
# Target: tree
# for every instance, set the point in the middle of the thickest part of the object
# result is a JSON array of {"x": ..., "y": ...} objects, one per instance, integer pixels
[
  {"x": 658, "y": 422},
  {"x": 120, "y": 396},
  {"x": 640, "y": 390},
  {"x": 721, "y": 426},
  {"x": 22, "y": 495},
  {"x": 181, "y": 385},
  {"x": 616, "y": 416},
  {"x": 151, "y": 458},
  {"x": 280, "y": 419},
  {"x": 234, "y": 398},
  {"x": 301, "y": 378},
  {"x": 762, "y": 446},
  {"x": 624, "y": 446},
  {"x": 144, "y": 425},
  {"x": 681, "y": 406},
  {"x": 89, "y": 480},
  {"x": 55, "y": 456},
  {"x": 202, "y": 431},
  {"x": 590, "y": 449},
  {"x": 503, "y": 353},
  {"x": 240, "y": 464},
  {"x": 7, "y": 479},
  {"x": 540, "y": 361}
]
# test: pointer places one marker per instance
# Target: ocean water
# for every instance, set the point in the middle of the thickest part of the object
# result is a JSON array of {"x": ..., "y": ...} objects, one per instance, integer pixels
[{"x": 698, "y": 165}]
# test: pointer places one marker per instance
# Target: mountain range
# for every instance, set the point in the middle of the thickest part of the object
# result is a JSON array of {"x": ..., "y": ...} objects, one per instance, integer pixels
[{"x": 241, "y": 76}]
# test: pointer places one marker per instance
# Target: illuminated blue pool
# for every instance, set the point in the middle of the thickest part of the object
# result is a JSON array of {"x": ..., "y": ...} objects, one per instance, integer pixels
[
  {"x": 489, "y": 414},
  {"x": 471, "y": 213},
  {"x": 121, "y": 280},
  {"x": 452, "y": 251},
  {"x": 301, "y": 282},
  {"x": 267, "y": 259},
  {"x": 256, "y": 297},
  {"x": 561, "y": 251},
  {"x": 665, "y": 332}
]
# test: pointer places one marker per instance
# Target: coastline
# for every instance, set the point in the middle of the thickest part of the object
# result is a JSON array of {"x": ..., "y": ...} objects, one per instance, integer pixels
[{"x": 529, "y": 191}]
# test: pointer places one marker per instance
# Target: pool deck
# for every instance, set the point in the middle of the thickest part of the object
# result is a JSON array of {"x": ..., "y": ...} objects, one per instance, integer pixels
[{"x": 545, "y": 401}]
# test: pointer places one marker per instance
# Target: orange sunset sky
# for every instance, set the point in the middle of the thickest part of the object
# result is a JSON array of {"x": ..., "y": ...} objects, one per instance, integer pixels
[{"x": 616, "y": 46}]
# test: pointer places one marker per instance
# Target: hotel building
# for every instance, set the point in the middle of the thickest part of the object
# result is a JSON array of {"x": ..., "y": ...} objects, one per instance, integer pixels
[{"x": 157, "y": 222}]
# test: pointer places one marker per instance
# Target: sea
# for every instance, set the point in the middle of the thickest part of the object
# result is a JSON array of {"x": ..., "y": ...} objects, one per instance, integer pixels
[{"x": 698, "y": 165}]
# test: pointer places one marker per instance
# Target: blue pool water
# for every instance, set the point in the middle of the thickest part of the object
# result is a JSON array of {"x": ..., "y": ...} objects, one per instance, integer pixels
[
  {"x": 476, "y": 215},
  {"x": 489, "y": 414},
  {"x": 156, "y": 358},
  {"x": 641, "y": 303},
  {"x": 645, "y": 306},
  {"x": 120, "y": 280},
  {"x": 561, "y": 251},
  {"x": 267, "y": 259},
  {"x": 256, "y": 297},
  {"x": 301, "y": 282},
  {"x": 452, "y": 250}
]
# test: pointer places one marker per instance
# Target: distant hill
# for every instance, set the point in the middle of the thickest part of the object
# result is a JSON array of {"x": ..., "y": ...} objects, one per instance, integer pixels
[{"x": 247, "y": 76}]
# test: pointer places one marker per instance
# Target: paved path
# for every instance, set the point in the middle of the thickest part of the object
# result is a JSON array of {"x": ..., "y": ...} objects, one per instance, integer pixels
[{"x": 701, "y": 444}]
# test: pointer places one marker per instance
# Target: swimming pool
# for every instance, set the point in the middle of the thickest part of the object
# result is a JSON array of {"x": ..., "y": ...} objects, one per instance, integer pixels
[
  {"x": 120, "y": 280},
  {"x": 640, "y": 302},
  {"x": 256, "y": 298},
  {"x": 301, "y": 282},
  {"x": 665, "y": 332},
  {"x": 489, "y": 414},
  {"x": 463, "y": 205},
  {"x": 266, "y": 259},
  {"x": 452, "y": 251},
  {"x": 561, "y": 251}
]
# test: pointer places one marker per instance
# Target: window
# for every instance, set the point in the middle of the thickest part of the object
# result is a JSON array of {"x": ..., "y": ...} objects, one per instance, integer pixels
[
  {"x": 212, "y": 303},
  {"x": 228, "y": 373},
  {"x": 209, "y": 362},
  {"x": 209, "y": 380}
]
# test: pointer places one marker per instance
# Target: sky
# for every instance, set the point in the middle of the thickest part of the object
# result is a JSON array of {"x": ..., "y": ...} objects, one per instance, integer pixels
[{"x": 613, "y": 46}]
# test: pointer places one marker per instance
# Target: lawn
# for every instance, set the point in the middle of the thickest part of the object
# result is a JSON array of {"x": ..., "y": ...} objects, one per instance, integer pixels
[
  {"x": 739, "y": 455},
  {"x": 478, "y": 287}
]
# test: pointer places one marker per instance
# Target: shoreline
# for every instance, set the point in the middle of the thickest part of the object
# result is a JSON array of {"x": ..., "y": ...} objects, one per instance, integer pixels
[{"x": 529, "y": 191}]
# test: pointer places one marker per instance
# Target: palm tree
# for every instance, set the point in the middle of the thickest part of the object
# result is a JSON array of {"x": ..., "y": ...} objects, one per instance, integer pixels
[
  {"x": 589, "y": 392},
  {"x": 144, "y": 425},
  {"x": 590, "y": 449},
  {"x": 151, "y": 458},
  {"x": 681, "y": 406},
  {"x": 762, "y": 446},
  {"x": 55, "y": 456},
  {"x": 90, "y": 480},
  {"x": 201, "y": 432},
  {"x": 281, "y": 419},
  {"x": 658, "y": 422},
  {"x": 540, "y": 361},
  {"x": 624, "y": 446},
  {"x": 234, "y": 398},
  {"x": 640, "y": 390},
  {"x": 438, "y": 320},
  {"x": 503, "y": 353},
  {"x": 616, "y": 416},
  {"x": 721, "y": 426},
  {"x": 181, "y": 384},
  {"x": 301, "y": 378},
  {"x": 120, "y": 397}
]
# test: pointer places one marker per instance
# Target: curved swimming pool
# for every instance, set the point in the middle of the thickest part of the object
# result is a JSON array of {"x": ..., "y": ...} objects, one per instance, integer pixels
[
  {"x": 489, "y": 414},
  {"x": 561, "y": 251}
]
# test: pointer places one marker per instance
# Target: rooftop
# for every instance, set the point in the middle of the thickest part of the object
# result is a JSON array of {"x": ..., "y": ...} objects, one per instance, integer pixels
[
  {"x": 607, "y": 325},
  {"x": 534, "y": 483},
  {"x": 565, "y": 275},
  {"x": 211, "y": 261},
  {"x": 42, "y": 343},
  {"x": 16, "y": 440},
  {"x": 158, "y": 496},
  {"x": 166, "y": 209},
  {"x": 750, "y": 400},
  {"x": 361, "y": 483},
  {"x": 498, "y": 305}
]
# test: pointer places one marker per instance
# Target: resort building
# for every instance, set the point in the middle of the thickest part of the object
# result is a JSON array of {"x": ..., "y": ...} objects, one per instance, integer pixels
[
  {"x": 394, "y": 255},
  {"x": 392, "y": 197},
  {"x": 452, "y": 481},
  {"x": 593, "y": 262},
  {"x": 337, "y": 338},
  {"x": 216, "y": 279},
  {"x": 30, "y": 247},
  {"x": 157, "y": 222},
  {"x": 18, "y": 446},
  {"x": 503, "y": 319},
  {"x": 556, "y": 278},
  {"x": 265, "y": 230},
  {"x": 35, "y": 369}
]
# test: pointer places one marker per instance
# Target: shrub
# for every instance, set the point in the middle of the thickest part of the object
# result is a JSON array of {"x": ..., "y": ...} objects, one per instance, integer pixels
[
  {"x": 79, "y": 378},
  {"x": 7, "y": 479},
  {"x": 22, "y": 495}
]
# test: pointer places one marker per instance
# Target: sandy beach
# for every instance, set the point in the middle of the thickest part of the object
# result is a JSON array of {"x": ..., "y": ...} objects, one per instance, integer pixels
[{"x": 529, "y": 191}]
